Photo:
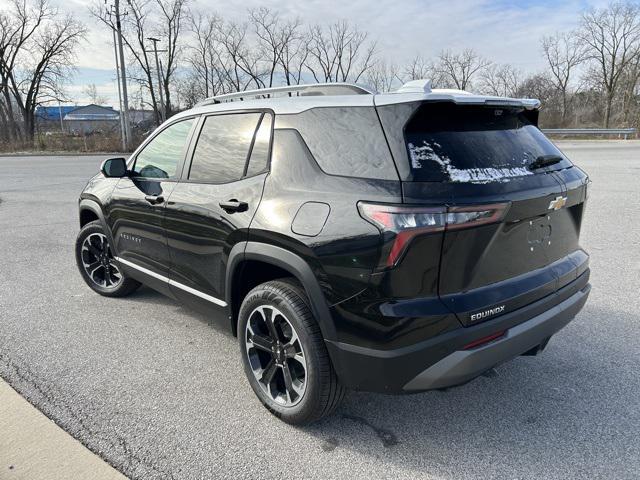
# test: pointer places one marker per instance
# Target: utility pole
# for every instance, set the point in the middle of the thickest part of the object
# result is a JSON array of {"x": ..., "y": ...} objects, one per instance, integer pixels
[
  {"x": 123, "y": 132},
  {"x": 60, "y": 113},
  {"x": 160, "y": 96},
  {"x": 123, "y": 75}
]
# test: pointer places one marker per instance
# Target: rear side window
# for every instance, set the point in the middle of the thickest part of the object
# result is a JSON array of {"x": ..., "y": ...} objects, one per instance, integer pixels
[
  {"x": 221, "y": 152},
  {"x": 161, "y": 156},
  {"x": 466, "y": 143},
  {"x": 346, "y": 141}
]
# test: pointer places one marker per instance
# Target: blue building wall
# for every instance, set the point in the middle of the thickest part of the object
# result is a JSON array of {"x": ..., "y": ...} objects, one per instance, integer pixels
[{"x": 52, "y": 113}]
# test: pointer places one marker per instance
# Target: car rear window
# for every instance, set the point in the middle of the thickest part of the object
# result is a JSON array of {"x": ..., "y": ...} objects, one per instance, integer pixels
[{"x": 447, "y": 142}]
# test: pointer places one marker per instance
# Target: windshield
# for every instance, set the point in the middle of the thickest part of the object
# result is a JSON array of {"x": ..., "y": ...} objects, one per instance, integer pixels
[{"x": 447, "y": 142}]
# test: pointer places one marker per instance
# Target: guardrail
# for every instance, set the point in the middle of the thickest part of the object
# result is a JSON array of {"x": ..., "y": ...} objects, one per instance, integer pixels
[{"x": 621, "y": 132}]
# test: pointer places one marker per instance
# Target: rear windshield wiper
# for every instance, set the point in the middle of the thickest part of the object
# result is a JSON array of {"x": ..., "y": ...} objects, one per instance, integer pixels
[{"x": 544, "y": 161}]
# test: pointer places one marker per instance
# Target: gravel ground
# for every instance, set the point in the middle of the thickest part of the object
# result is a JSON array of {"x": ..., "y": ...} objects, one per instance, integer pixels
[{"x": 159, "y": 393}]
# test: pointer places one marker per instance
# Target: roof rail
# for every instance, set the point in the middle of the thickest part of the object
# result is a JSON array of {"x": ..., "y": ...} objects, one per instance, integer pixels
[{"x": 336, "y": 88}]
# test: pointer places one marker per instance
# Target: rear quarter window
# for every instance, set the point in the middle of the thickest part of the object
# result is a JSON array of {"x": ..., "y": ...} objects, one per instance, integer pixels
[
  {"x": 346, "y": 141},
  {"x": 259, "y": 160}
]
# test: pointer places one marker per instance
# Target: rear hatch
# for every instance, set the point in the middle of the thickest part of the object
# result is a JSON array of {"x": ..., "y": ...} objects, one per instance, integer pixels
[{"x": 467, "y": 156}]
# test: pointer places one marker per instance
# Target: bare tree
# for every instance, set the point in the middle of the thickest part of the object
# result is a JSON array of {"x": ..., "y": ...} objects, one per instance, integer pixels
[
  {"x": 500, "y": 80},
  {"x": 173, "y": 14},
  {"x": 222, "y": 59},
  {"x": 539, "y": 86},
  {"x": 266, "y": 25},
  {"x": 630, "y": 86},
  {"x": 459, "y": 69},
  {"x": 295, "y": 51},
  {"x": 91, "y": 91},
  {"x": 383, "y": 76},
  {"x": 209, "y": 72},
  {"x": 339, "y": 53},
  {"x": 611, "y": 37},
  {"x": 146, "y": 18},
  {"x": 18, "y": 25},
  {"x": 37, "y": 47},
  {"x": 245, "y": 65},
  {"x": 190, "y": 90},
  {"x": 563, "y": 53},
  {"x": 135, "y": 31},
  {"x": 281, "y": 44},
  {"x": 52, "y": 53},
  {"x": 417, "y": 69},
  {"x": 269, "y": 49}
]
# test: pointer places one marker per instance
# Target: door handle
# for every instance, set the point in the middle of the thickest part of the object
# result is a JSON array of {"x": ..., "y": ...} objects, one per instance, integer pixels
[
  {"x": 233, "y": 205},
  {"x": 154, "y": 199}
]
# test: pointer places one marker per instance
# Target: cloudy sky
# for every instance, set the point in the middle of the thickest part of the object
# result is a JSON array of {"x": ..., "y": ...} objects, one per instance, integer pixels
[{"x": 503, "y": 31}]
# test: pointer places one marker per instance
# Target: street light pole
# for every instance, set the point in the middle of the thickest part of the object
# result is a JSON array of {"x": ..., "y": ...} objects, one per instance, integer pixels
[{"x": 160, "y": 96}]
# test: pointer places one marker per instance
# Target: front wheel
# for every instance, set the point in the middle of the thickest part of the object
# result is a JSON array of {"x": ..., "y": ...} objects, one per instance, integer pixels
[
  {"x": 284, "y": 355},
  {"x": 97, "y": 265}
]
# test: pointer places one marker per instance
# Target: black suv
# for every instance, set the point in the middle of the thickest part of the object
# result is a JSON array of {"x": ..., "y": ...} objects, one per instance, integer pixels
[{"x": 391, "y": 243}]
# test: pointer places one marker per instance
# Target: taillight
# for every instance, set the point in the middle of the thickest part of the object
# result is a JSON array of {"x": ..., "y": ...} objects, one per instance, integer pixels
[{"x": 405, "y": 222}]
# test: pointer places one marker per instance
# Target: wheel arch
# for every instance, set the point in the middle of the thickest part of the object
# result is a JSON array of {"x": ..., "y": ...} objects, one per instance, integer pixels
[
  {"x": 87, "y": 215},
  {"x": 282, "y": 262},
  {"x": 89, "y": 211}
]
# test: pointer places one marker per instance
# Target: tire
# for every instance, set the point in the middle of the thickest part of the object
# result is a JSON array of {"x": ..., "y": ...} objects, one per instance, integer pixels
[
  {"x": 302, "y": 351},
  {"x": 96, "y": 264}
]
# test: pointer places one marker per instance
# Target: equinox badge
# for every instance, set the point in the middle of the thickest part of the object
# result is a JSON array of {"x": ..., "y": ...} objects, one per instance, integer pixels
[
  {"x": 487, "y": 313},
  {"x": 557, "y": 203}
]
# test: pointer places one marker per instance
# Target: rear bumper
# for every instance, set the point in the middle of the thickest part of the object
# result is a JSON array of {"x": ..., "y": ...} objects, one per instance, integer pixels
[{"x": 442, "y": 361}]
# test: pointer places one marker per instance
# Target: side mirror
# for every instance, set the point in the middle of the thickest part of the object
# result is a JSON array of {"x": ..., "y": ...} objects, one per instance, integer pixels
[{"x": 114, "y": 167}]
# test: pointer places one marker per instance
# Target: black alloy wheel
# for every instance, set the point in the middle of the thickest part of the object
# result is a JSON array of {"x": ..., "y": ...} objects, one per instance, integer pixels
[{"x": 97, "y": 265}]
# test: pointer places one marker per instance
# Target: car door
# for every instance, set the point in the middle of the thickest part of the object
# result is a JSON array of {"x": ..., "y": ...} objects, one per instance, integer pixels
[
  {"x": 210, "y": 209},
  {"x": 135, "y": 210}
]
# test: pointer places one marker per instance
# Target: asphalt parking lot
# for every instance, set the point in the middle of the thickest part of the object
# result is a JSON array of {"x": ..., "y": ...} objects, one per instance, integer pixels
[{"x": 157, "y": 392}]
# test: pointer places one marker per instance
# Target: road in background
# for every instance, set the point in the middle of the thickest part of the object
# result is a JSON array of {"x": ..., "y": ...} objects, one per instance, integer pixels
[{"x": 157, "y": 392}]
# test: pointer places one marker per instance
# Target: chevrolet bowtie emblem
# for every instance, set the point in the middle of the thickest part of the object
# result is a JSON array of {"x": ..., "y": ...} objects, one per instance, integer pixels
[{"x": 557, "y": 203}]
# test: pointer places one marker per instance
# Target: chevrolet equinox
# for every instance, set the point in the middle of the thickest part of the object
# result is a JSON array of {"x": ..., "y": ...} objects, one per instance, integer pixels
[{"x": 394, "y": 243}]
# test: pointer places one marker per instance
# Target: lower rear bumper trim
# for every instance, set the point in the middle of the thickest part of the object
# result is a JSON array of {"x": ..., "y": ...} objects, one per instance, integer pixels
[
  {"x": 464, "y": 365},
  {"x": 442, "y": 361}
]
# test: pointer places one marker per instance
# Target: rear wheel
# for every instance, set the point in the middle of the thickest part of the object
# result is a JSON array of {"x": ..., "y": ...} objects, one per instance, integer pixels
[
  {"x": 284, "y": 355},
  {"x": 97, "y": 265}
]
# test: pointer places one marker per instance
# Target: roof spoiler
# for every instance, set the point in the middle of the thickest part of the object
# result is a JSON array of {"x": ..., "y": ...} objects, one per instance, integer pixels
[{"x": 422, "y": 90}]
